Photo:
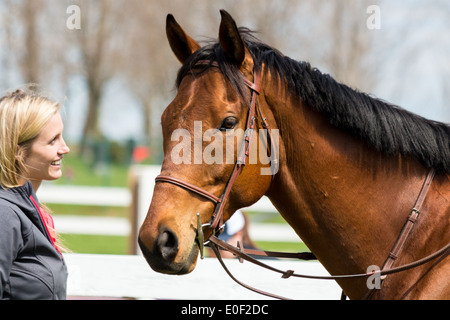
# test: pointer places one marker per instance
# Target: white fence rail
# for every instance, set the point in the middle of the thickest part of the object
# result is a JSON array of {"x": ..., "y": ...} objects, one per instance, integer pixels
[{"x": 84, "y": 195}]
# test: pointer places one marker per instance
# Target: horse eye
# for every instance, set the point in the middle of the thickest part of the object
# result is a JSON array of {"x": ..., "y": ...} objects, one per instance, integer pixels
[{"x": 228, "y": 123}]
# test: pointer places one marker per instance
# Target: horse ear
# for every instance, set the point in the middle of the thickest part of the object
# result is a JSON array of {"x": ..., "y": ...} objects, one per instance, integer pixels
[
  {"x": 230, "y": 40},
  {"x": 182, "y": 45}
]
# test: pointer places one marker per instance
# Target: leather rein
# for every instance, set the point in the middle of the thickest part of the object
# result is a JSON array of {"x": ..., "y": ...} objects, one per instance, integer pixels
[{"x": 216, "y": 223}]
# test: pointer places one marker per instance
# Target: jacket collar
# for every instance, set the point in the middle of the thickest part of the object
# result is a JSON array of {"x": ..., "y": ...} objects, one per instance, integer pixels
[{"x": 26, "y": 200}]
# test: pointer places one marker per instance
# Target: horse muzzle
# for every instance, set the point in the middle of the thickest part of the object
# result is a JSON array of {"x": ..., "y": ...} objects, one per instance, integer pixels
[{"x": 162, "y": 256}]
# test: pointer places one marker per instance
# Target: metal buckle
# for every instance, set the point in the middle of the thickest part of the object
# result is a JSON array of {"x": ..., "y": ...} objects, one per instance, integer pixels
[{"x": 200, "y": 238}]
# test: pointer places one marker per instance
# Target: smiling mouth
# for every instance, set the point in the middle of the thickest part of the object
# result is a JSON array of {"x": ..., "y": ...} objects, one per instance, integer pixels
[{"x": 56, "y": 163}]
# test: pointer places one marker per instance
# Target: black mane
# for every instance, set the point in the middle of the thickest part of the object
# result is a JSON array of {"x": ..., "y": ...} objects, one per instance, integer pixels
[{"x": 384, "y": 126}]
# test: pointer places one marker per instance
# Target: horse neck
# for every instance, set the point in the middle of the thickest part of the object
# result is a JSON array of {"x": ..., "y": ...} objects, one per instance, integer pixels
[{"x": 345, "y": 201}]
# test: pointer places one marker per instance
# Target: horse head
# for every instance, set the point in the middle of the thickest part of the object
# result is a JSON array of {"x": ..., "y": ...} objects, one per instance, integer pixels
[{"x": 204, "y": 128}]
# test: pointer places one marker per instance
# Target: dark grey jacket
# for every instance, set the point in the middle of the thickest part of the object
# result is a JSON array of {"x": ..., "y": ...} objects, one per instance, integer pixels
[{"x": 30, "y": 266}]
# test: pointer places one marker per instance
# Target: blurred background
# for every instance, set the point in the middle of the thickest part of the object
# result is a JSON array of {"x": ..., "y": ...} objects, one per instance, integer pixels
[{"x": 108, "y": 62}]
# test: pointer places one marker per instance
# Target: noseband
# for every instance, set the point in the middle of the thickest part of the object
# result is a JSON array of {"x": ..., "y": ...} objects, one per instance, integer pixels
[{"x": 216, "y": 221}]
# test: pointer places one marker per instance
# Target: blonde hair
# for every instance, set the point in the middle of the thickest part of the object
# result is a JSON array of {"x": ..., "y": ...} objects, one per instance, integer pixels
[{"x": 23, "y": 114}]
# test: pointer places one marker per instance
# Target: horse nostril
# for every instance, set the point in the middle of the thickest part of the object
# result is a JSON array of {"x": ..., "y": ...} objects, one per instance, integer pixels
[{"x": 167, "y": 245}]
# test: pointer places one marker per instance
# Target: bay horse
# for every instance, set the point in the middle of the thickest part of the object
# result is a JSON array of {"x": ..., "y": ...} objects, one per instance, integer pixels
[{"x": 350, "y": 166}]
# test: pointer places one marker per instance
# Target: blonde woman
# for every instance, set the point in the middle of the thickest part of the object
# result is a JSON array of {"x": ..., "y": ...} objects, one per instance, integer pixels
[{"x": 31, "y": 150}]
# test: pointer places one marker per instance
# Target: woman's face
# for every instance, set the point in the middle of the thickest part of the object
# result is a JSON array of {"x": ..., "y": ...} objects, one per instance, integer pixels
[{"x": 47, "y": 150}]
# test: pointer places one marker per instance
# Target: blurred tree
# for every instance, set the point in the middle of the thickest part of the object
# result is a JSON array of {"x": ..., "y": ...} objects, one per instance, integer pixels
[
  {"x": 30, "y": 60},
  {"x": 338, "y": 41},
  {"x": 29, "y": 54},
  {"x": 151, "y": 67},
  {"x": 22, "y": 37},
  {"x": 126, "y": 41},
  {"x": 97, "y": 23},
  {"x": 148, "y": 69}
]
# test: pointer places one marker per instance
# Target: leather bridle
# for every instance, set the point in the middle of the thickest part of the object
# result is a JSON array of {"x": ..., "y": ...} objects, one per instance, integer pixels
[
  {"x": 387, "y": 269},
  {"x": 216, "y": 223}
]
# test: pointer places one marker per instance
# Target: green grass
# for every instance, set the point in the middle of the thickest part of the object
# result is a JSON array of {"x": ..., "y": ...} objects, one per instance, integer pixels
[
  {"x": 282, "y": 246},
  {"x": 95, "y": 244},
  {"x": 79, "y": 172}
]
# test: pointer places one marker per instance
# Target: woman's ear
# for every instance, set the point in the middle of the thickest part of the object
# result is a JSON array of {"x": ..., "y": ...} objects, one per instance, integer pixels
[{"x": 21, "y": 154}]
